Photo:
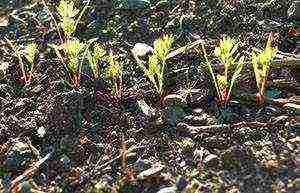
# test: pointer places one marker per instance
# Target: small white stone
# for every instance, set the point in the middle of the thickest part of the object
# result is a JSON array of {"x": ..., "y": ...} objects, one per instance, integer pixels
[
  {"x": 141, "y": 49},
  {"x": 41, "y": 132}
]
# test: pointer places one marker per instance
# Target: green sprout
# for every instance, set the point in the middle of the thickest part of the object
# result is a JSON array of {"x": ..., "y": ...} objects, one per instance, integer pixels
[
  {"x": 71, "y": 51},
  {"x": 115, "y": 71},
  {"x": 74, "y": 52},
  {"x": 226, "y": 53},
  {"x": 162, "y": 51},
  {"x": 94, "y": 57},
  {"x": 68, "y": 13},
  {"x": 157, "y": 62},
  {"x": 27, "y": 57},
  {"x": 261, "y": 64}
]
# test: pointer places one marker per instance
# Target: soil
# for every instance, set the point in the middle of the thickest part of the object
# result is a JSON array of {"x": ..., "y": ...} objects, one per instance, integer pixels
[{"x": 55, "y": 138}]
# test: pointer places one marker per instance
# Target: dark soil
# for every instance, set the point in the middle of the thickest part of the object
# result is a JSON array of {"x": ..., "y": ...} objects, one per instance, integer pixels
[{"x": 54, "y": 138}]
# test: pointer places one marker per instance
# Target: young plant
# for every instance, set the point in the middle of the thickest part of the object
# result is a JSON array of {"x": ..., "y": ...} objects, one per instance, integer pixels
[
  {"x": 27, "y": 57},
  {"x": 157, "y": 61},
  {"x": 71, "y": 51},
  {"x": 68, "y": 14},
  {"x": 74, "y": 53},
  {"x": 226, "y": 53},
  {"x": 94, "y": 57},
  {"x": 115, "y": 74},
  {"x": 261, "y": 64}
]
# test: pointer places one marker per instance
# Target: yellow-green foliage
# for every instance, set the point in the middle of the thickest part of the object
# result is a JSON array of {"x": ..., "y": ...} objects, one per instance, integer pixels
[
  {"x": 114, "y": 72},
  {"x": 233, "y": 64},
  {"x": 73, "y": 49},
  {"x": 226, "y": 50},
  {"x": 162, "y": 51},
  {"x": 69, "y": 16},
  {"x": 66, "y": 9},
  {"x": 30, "y": 52},
  {"x": 73, "y": 55},
  {"x": 67, "y": 12},
  {"x": 115, "y": 68},
  {"x": 162, "y": 47},
  {"x": 261, "y": 64},
  {"x": 94, "y": 57},
  {"x": 157, "y": 61},
  {"x": 221, "y": 81}
]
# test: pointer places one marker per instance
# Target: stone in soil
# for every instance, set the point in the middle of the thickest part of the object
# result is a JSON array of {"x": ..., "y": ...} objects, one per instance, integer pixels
[
  {"x": 156, "y": 169},
  {"x": 19, "y": 156},
  {"x": 196, "y": 120}
]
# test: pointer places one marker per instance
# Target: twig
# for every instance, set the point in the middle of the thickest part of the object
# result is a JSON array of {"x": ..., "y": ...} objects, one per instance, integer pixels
[
  {"x": 227, "y": 127},
  {"x": 81, "y": 14},
  {"x": 55, "y": 23},
  {"x": 30, "y": 171},
  {"x": 277, "y": 102},
  {"x": 104, "y": 165}
]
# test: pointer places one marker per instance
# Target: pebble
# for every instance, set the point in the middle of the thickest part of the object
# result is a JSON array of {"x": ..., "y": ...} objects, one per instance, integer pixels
[
  {"x": 154, "y": 170},
  {"x": 196, "y": 120},
  {"x": 168, "y": 190},
  {"x": 174, "y": 99},
  {"x": 5, "y": 90},
  {"x": 142, "y": 165},
  {"x": 291, "y": 107},
  {"x": 41, "y": 131},
  {"x": 141, "y": 49},
  {"x": 24, "y": 102},
  {"x": 272, "y": 110},
  {"x": 19, "y": 155},
  {"x": 181, "y": 183},
  {"x": 37, "y": 89},
  {"x": 211, "y": 159},
  {"x": 198, "y": 111},
  {"x": 66, "y": 161},
  {"x": 296, "y": 183}
]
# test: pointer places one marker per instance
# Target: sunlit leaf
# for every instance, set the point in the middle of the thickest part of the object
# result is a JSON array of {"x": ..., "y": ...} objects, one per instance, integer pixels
[
  {"x": 162, "y": 46},
  {"x": 115, "y": 68},
  {"x": 94, "y": 58},
  {"x": 261, "y": 63},
  {"x": 236, "y": 75},
  {"x": 66, "y": 9},
  {"x": 30, "y": 52}
]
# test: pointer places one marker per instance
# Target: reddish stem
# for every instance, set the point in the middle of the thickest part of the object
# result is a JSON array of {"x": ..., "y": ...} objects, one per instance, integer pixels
[
  {"x": 119, "y": 90},
  {"x": 259, "y": 99}
]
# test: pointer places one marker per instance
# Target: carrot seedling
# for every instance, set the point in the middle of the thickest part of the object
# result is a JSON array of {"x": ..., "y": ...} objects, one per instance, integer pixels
[
  {"x": 94, "y": 57},
  {"x": 115, "y": 71},
  {"x": 156, "y": 63},
  {"x": 71, "y": 54},
  {"x": 233, "y": 64},
  {"x": 261, "y": 64},
  {"x": 27, "y": 60}
]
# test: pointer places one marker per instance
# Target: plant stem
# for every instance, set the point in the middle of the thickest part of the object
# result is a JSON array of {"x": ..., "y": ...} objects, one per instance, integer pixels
[
  {"x": 211, "y": 71},
  {"x": 161, "y": 77},
  {"x": 20, "y": 59},
  {"x": 226, "y": 73},
  {"x": 81, "y": 14},
  {"x": 263, "y": 88},
  {"x": 55, "y": 23}
]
